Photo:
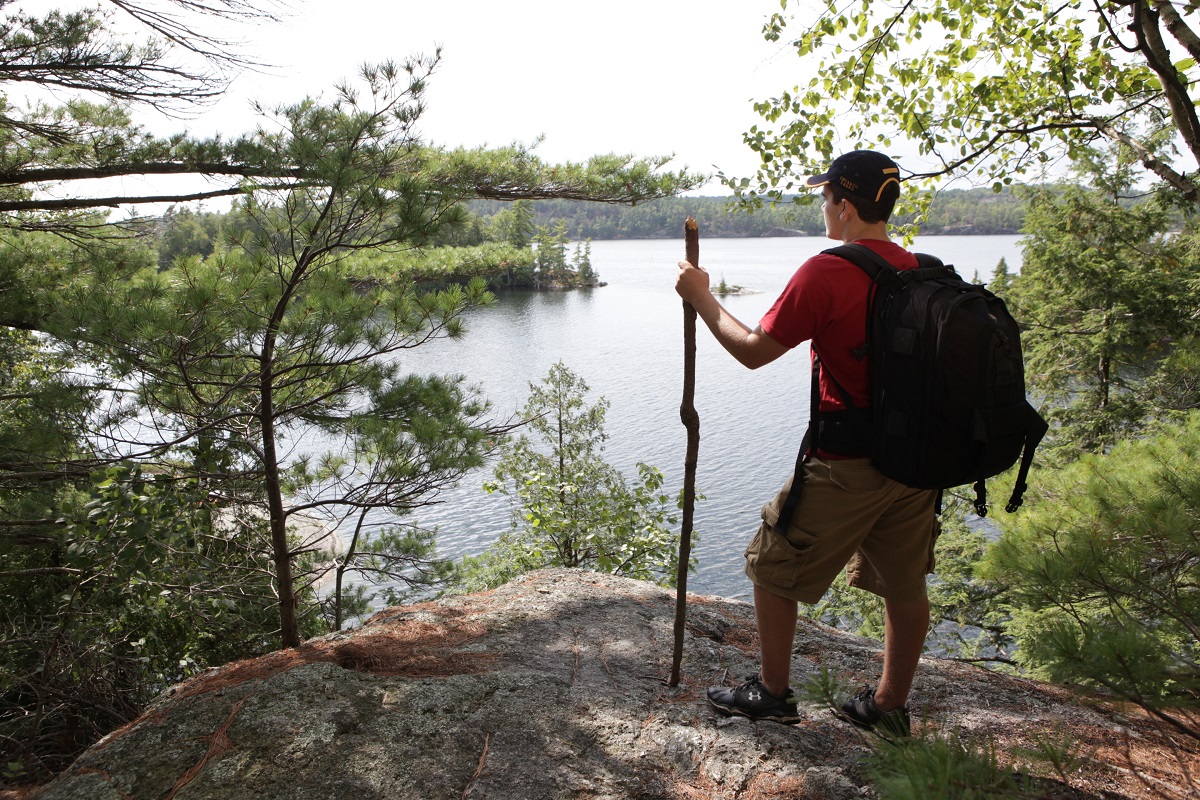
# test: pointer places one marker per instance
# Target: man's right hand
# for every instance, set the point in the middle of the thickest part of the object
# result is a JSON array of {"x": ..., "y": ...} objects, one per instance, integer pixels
[
  {"x": 692, "y": 283},
  {"x": 752, "y": 348}
]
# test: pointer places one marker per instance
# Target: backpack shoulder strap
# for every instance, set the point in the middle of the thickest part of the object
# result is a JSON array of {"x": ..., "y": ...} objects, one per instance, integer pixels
[
  {"x": 880, "y": 272},
  {"x": 874, "y": 264},
  {"x": 862, "y": 257},
  {"x": 926, "y": 261}
]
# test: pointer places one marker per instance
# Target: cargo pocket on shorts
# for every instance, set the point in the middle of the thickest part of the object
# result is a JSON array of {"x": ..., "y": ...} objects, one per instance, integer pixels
[
  {"x": 937, "y": 532},
  {"x": 775, "y": 560}
]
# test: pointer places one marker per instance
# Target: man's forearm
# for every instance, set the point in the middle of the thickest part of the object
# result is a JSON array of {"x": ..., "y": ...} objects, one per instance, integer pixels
[{"x": 752, "y": 348}]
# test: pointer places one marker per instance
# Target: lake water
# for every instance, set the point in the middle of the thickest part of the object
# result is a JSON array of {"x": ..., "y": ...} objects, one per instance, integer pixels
[{"x": 626, "y": 341}]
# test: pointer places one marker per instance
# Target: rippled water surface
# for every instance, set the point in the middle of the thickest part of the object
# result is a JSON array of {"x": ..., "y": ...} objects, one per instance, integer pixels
[{"x": 625, "y": 340}]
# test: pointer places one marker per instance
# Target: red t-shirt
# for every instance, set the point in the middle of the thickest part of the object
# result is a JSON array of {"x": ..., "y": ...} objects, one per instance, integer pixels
[{"x": 826, "y": 301}]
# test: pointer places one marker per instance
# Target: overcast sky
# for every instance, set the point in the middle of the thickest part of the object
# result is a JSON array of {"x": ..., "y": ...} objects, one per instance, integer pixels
[{"x": 630, "y": 76}]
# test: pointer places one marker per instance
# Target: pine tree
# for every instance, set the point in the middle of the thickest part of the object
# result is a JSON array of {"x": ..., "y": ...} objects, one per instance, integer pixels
[
  {"x": 570, "y": 507},
  {"x": 1100, "y": 569},
  {"x": 206, "y": 371},
  {"x": 1104, "y": 296},
  {"x": 582, "y": 262}
]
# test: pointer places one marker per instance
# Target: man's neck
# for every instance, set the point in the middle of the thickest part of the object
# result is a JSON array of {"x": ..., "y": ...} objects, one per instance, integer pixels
[{"x": 865, "y": 230}]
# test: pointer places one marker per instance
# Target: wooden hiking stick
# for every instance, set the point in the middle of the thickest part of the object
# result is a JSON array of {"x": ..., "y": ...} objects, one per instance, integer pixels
[{"x": 691, "y": 421}]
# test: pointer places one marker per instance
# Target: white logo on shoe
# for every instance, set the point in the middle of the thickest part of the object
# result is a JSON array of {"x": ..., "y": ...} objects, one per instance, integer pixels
[{"x": 754, "y": 695}]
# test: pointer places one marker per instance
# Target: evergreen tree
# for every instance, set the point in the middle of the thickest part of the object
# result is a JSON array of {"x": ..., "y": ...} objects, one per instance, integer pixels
[
  {"x": 512, "y": 223},
  {"x": 271, "y": 342},
  {"x": 1002, "y": 279},
  {"x": 582, "y": 262},
  {"x": 183, "y": 232},
  {"x": 1100, "y": 573},
  {"x": 1104, "y": 293},
  {"x": 571, "y": 508},
  {"x": 207, "y": 374},
  {"x": 520, "y": 229},
  {"x": 551, "y": 252}
]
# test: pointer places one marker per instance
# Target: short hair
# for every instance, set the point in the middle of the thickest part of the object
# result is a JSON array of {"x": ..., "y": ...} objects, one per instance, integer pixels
[{"x": 870, "y": 211}]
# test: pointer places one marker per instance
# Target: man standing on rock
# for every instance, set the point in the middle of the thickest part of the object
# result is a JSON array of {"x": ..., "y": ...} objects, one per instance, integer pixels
[{"x": 849, "y": 515}]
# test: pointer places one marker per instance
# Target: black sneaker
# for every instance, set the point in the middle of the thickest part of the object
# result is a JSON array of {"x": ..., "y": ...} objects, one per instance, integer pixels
[
  {"x": 751, "y": 699},
  {"x": 862, "y": 711}
]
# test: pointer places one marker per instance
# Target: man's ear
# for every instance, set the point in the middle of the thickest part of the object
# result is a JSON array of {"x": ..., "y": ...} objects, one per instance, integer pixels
[{"x": 848, "y": 207}]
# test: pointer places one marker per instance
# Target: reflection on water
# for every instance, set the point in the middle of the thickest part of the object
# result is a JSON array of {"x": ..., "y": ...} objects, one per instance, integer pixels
[{"x": 626, "y": 341}]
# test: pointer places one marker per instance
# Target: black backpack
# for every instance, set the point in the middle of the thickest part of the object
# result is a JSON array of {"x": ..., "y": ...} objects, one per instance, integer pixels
[{"x": 947, "y": 382}]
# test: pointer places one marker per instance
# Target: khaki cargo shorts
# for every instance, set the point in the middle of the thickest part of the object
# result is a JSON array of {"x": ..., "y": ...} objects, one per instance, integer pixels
[{"x": 849, "y": 516}]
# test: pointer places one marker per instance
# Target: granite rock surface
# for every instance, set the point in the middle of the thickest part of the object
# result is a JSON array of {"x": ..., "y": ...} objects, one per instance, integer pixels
[{"x": 554, "y": 687}]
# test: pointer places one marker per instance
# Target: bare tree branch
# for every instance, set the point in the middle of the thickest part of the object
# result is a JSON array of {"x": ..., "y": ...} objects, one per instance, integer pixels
[
  {"x": 23, "y": 573},
  {"x": 72, "y": 173},
  {"x": 178, "y": 29},
  {"x": 1177, "y": 180},
  {"x": 77, "y": 203}
]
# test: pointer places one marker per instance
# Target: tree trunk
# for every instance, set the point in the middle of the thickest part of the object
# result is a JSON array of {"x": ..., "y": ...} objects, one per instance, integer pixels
[
  {"x": 1105, "y": 366},
  {"x": 289, "y": 630},
  {"x": 343, "y": 564}
]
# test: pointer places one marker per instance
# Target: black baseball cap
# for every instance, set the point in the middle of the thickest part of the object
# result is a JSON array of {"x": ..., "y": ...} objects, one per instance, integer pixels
[{"x": 862, "y": 173}]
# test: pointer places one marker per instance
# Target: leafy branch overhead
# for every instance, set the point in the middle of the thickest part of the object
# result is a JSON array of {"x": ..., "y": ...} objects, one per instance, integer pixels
[{"x": 997, "y": 88}]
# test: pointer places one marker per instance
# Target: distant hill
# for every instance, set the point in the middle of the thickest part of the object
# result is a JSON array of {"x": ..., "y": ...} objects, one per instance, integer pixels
[{"x": 954, "y": 211}]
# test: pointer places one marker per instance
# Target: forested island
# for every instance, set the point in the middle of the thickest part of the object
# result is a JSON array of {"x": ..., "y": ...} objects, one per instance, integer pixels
[{"x": 545, "y": 244}]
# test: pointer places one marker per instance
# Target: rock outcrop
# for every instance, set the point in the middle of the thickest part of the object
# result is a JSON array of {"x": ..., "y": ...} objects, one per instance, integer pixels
[{"x": 553, "y": 687}]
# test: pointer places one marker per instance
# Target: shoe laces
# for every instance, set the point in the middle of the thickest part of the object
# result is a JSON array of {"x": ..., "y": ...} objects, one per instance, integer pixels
[{"x": 755, "y": 681}]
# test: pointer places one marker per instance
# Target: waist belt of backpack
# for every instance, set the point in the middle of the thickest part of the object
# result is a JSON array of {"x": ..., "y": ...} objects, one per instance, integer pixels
[{"x": 843, "y": 433}]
